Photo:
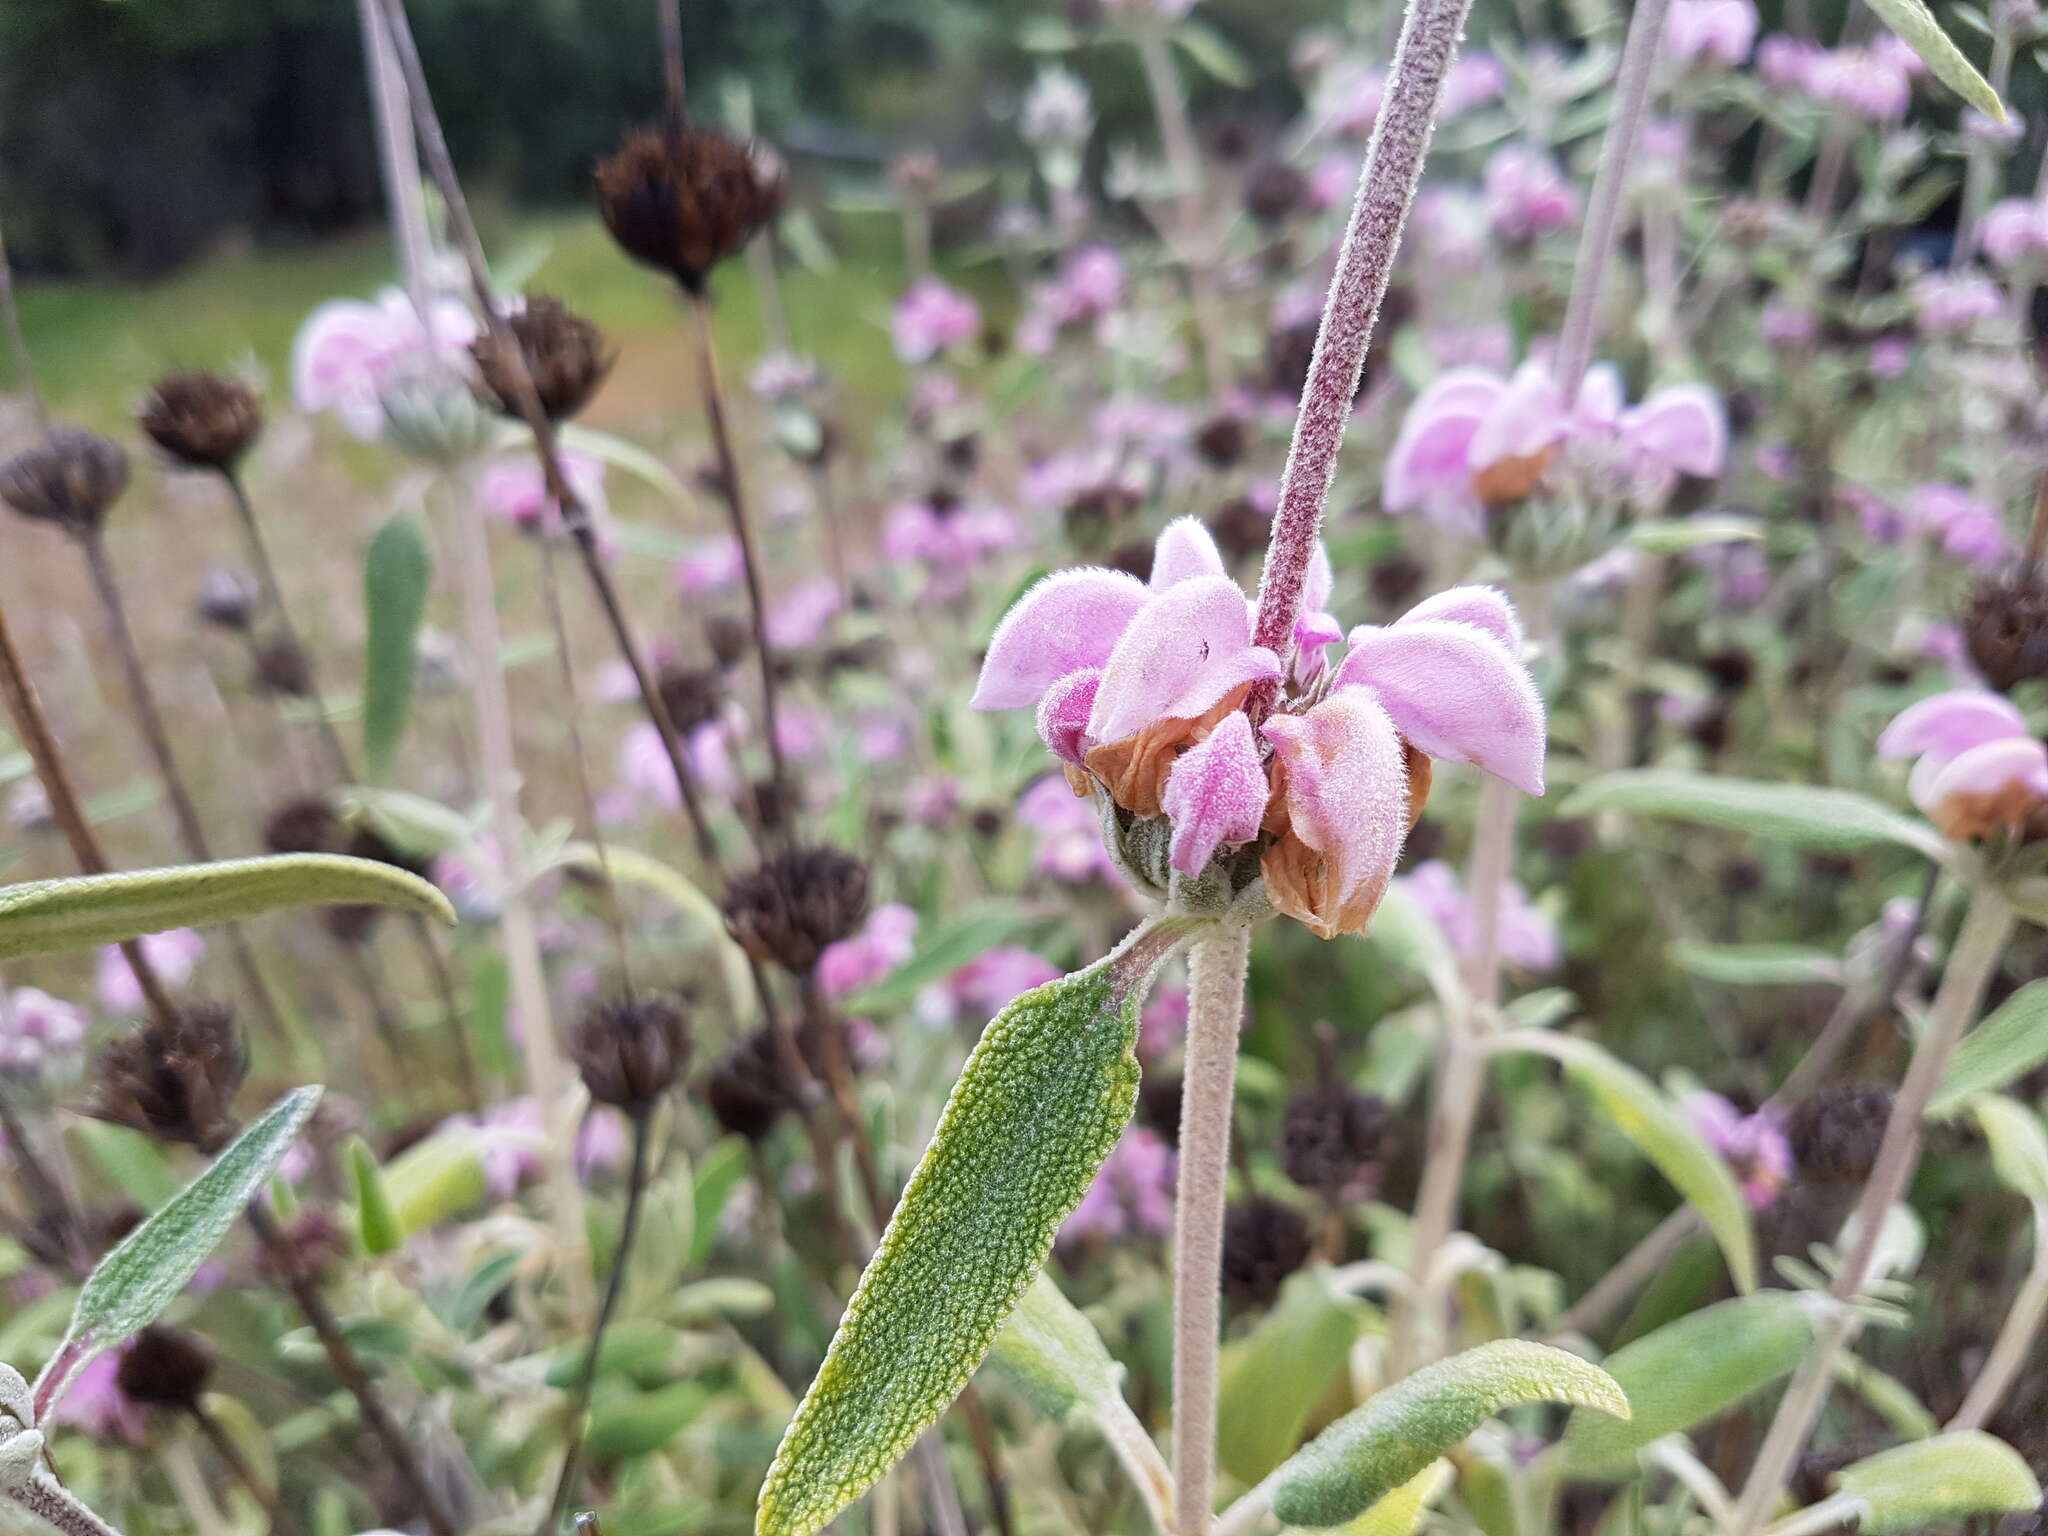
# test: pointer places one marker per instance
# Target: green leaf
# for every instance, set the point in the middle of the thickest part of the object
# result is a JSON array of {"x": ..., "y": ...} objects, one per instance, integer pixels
[
  {"x": 622, "y": 455},
  {"x": 1756, "y": 965},
  {"x": 1401, "y": 1511},
  {"x": 2019, "y": 1145},
  {"x": 2000, "y": 1050},
  {"x": 718, "y": 1175},
  {"x": 435, "y": 1179},
  {"x": 1641, "y": 1112},
  {"x": 1932, "y": 1482},
  {"x": 645, "y": 1422},
  {"x": 1401, "y": 1429},
  {"x": 1799, "y": 814},
  {"x": 1675, "y": 536},
  {"x": 1037, "y": 1109},
  {"x": 1216, "y": 57},
  {"x": 1688, "y": 1371},
  {"x": 632, "y": 1346},
  {"x": 46, "y": 916},
  {"x": 1272, "y": 1381},
  {"x": 1053, "y": 1356},
  {"x": 1914, "y": 25},
  {"x": 132, "y": 1285},
  {"x": 397, "y": 571},
  {"x": 1890, "y": 1397},
  {"x": 377, "y": 1224},
  {"x": 1415, "y": 940}
]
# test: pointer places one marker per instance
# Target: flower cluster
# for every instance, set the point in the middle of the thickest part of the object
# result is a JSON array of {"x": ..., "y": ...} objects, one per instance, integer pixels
[
  {"x": 1141, "y": 691},
  {"x": 349, "y": 352}
]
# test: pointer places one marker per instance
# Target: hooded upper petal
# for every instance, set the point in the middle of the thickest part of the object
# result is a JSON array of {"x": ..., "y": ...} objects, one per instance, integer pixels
[
  {"x": 1063, "y": 715},
  {"x": 1185, "y": 549},
  {"x": 1432, "y": 454},
  {"x": 1455, "y": 692},
  {"x": 1187, "y": 648},
  {"x": 1950, "y": 723},
  {"x": 1070, "y": 620},
  {"x": 1528, "y": 419},
  {"x": 1488, "y": 607},
  {"x": 1216, "y": 794},
  {"x": 1601, "y": 399},
  {"x": 1343, "y": 776},
  {"x": 1683, "y": 426},
  {"x": 1994, "y": 787}
]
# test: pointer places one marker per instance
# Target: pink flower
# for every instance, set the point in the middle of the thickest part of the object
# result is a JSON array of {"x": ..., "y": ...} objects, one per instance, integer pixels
[
  {"x": 1954, "y": 303},
  {"x": 1874, "y": 83},
  {"x": 173, "y": 955},
  {"x": 1969, "y": 527},
  {"x": 1164, "y": 1021},
  {"x": 1526, "y": 935},
  {"x": 1069, "y": 835},
  {"x": 1786, "y": 62},
  {"x": 1787, "y": 325},
  {"x": 932, "y": 318},
  {"x": 711, "y": 567},
  {"x": 37, "y": 1032},
  {"x": 2013, "y": 229},
  {"x": 1710, "y": 32},
  {"x": 884, "y": 942},
  {"x": 780, "y": 377},
  {"x": 1133, "y": 1194},
  {"x": 513, "y": 488},
  {"x": 1754, "y": 1145},
  {"x": 986, "y": 985},
  {"x": 799, "y": 616},
  {"x": 1526, "y": 194},
  {"x": 1979, "y": 771},
  {"x": 510, "y": 1138},
  {"x": 348, "y": 351},
  {"x": 954, "y": 541},
  {"x": 95, "y": 1403}
]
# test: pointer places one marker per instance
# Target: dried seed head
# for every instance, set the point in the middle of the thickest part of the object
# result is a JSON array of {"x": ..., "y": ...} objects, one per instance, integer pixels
[
  {"x": 165, "y": 1368},
  {"x": 72, "y": 478},
  {"x": 685, "y": 207},
  {"x": 630, "y": 1052},
  {"x": 1835, "y": 1134},
  {"x": 1263, "y": 1243},
  {"x": 1272, "y": 190},
  {"x": 1221, "y": 439},
  {"x": 309, "y": 824},
  {"x": 747, "y": 1091},
  {"x": 729, "y": 636},
  {"x": 1241, "y": 527},
  {"x": 2006, "y": 627},
  {"x": 203, "y": 420},
  {"x": 566, "y": 357},
  {"x": 791, "y": 907},
  {"x": 228, "y": 598},
  {"x": 174, "y": 1079},
  {"x": 282, "y": 669},
  {"x": 691, "y": 695},
  {"x": 1332, "y": 1137}
]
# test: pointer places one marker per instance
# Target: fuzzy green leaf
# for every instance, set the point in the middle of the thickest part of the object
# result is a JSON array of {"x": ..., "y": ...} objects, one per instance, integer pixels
[
  {"x": 435, "y": 1179},
  {"x": 46, "y": 916},
  {"x": 2019, "y": 1145},
  {"x": 1932, "y": 1482},
  {"x": 1637, "y": 1108},
  {"x": 397, "y": 570},
  {"x": 1273, "y": 1379},
  {"x": 1053, "y": 1356},
  {"x": 1674, "y": 536},
  {"x": 2002, "y": 1049},
  {"x": 644, "y": 1422},
  {"x": 1798, "y": 814},
  {"x": 1914, "y": 25},
  {"x": 132, "y": 1285},
  {"x": 1756, "y": 965},
  {"x": 1687, "y": 1372},
  {"x": 1400, "y": 1430},
  {"x": 1400, "y": 1512},
  {"x": 1037, "y": 1109},
  {"x": 377, "y": 1224}
]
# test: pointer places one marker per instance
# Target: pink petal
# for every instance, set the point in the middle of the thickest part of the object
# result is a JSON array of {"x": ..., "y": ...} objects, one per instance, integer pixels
[
  {"x": 1063, "y": 715},
  {"x": 1455, "y": 692},
  {"x": 1189, "y": 646},
  {"x": 1216, "y": 794},
  {"x": 1320, "y": 579},
  {"x": 1314, "y": 633},
  {"x": 1949, "y": 723},
  {"x": 1347, "y": 788},
  {"x": 1601, "y": 398},
  {"x": 1185, "y": 549},
  {"x": 1432, "y": 453},
  {"x": 1683, "y": 426},
  {"x": 2016, "y": 762},
  {"x": 1488, "y": 607},
  {"x": 1068, "y": 621},
  {"x": 1526, "y": 419}
]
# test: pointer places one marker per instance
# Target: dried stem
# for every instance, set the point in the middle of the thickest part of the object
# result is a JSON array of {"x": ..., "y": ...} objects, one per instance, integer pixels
[
  {"x": 17, "y": 344},
  {"x": 349, "y": 1371},
  {"x": 225, "y": 1447},
  {"x": 1430, "y": 32},
  {"x": 615, "y": 1285},
  {"x": 33, "y": 727},
  {"x": 397, "y": 156},
  {"x": 1216, "y": 988}
]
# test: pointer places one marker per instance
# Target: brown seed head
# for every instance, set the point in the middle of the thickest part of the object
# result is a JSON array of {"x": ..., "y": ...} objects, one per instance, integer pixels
[
  {"x": 174, "y": 1079},
  {"x": 1331, "y": 1137},
  {"x": 72, "y": 478},
  {"x": 566, "y": 357},
  {"x": 203, "y": 420},
  {"x": 691, "y": 695},
  {"x": 165, "y": 1368},
  {"x": 685, "y": 207},
  {"x": 1264, "y": 1242},
  {"x": 630, "y": 1052},
  {"x": 790, "y": 908},
  {"x": 2006, "y": 627}
]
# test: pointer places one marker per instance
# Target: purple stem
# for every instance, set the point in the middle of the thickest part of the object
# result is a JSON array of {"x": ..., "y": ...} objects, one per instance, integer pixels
[{"x": 1386, "y": 191}]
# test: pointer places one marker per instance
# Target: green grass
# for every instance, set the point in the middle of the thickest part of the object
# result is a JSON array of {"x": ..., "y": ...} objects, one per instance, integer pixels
[{"x": 98, "y": 345}]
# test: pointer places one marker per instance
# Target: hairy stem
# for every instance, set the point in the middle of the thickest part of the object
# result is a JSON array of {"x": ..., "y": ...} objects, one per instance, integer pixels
[
  {"x": 2014, "y": 1345},
  {"x": 1216, "y": 988},
  {"x": 1986, "y": 927},
  {"x": 1430, "y": 31}
]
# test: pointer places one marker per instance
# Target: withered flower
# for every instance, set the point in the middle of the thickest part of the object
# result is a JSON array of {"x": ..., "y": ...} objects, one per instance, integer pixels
[
  {"x": 566, "y": 357},
  {"x": 796, "y": 903},
  {"x": 174, "y": 1079},
  {"x": 203, "y": 420},
  {"x": 165, "y": 1368},
  {"x": 684, "y": 207},
  {"x": 72, "y": 478},
  {"x": 630, "y": 1052}
]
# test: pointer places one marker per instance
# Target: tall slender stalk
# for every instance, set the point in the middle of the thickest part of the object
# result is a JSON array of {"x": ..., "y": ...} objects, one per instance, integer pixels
[
  {"x": 2015, "y": 1341},
  {"x": 17, "y": 344},
  {"x": 1216, "y": 988},
  {"x": 1986, "y": 926},
  {"x": 1191, "y": 208},
  {"x": 397, "y": 155}
]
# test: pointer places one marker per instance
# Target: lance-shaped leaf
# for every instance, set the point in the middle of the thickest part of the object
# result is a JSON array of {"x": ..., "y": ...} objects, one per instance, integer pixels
[
  {"x": 1271, "y": 1381},
  {"x": 1756, "y": 965},
  {"x": 1637, "y": 1108},
  {"x": 377, "y": 1224},
  {"x": 397, "y": 570},
  {"x": 2002, "y": 1049},
  {"x": 1399, "y": 1431},
  {"x": 1400, "y": 1512},
  {"x": 2019, "y": 1145},
  {"x": 1037, "y": 1109},
  {"x": 1932, "y": 1482},
  {"x": 1914, "y": 25},
  {"x": 1838, "y": 820},
  {"x": 1689, "y": 1371},
  {"x": 44, "y": 916},
  {"x": 132, "y": 1285}
]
